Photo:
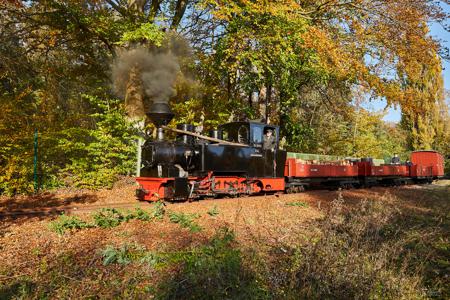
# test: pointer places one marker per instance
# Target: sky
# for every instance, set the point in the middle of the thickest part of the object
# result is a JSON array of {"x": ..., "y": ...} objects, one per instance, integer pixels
[{"x": 393, "y": 115}]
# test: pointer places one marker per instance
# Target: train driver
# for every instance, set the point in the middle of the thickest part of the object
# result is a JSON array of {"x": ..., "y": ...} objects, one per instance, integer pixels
[{"x": 269, "y": 139}]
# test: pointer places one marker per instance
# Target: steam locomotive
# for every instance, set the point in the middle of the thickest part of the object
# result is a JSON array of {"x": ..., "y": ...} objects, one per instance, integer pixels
[{"x": 243, "y": 158}]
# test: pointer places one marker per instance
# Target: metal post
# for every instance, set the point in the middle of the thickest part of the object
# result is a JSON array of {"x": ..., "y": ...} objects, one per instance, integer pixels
[
  {"x": 139, "y": 126},
  {"x": 35, "y": 161}
]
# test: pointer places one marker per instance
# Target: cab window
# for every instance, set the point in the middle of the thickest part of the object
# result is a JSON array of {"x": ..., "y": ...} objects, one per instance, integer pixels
[
  {"x": 257, "y": 134},
  {"x": 225, "y": 135},
  {"x": 243, "y": 134},
  {"x": 229, "y": 132}
]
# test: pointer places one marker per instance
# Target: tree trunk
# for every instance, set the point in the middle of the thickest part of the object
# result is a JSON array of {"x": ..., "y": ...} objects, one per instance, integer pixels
[
  {"x": 262, "y": 102},
  {"x": 134, "y": 96},
  {"x": 136, "y": 5},
  {"x": 154, "y": 10},
  {"x": 180, "y": 9}
]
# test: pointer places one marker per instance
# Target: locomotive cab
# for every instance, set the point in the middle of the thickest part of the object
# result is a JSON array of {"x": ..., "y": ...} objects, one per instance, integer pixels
[
  {"x": 250, "y": 158},
  {"x": 252, "y": 134}
]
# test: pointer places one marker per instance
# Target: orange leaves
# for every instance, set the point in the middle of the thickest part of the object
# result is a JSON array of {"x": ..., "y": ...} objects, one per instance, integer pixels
[
  {"x": 343, "y": 60},
  {"x": 53, "y": 38}
]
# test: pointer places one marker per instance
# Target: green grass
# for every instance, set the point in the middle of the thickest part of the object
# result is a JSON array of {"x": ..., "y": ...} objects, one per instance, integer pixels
[
  {"x": 297, "y": 204},
  {"x": 212, "y": 271}
]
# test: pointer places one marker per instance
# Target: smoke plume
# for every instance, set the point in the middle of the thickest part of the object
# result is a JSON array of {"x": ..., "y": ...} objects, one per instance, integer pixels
[{"x": 155, "y": 72}]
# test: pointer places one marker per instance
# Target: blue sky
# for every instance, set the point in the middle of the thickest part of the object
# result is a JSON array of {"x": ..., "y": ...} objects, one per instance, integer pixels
[{"x": 393, "y": 115}]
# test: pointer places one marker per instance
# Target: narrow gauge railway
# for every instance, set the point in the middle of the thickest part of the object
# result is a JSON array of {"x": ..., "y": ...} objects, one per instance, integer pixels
[{"x": 244, "y": 158}]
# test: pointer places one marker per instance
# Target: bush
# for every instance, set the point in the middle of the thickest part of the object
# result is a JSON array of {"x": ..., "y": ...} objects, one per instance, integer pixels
[
  {"x": 89, "y": 153},
  {"x": 158, "y": 210},
  {"x": 123, "y": 255},
  {"x": 16, "y": 175},
  {"x": 138, "y": 214},
  {"x": 64, "y": 223},
  {"x": 105, "y": 218},
  {"x": 94, "y": 157}
]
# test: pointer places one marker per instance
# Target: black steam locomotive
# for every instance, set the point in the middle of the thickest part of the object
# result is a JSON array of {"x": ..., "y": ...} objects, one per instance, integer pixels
[{"x": 237, "y": 158}]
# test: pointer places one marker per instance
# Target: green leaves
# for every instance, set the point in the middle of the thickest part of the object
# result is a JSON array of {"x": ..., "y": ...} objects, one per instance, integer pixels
[
  {"x": 214, "y": 211},
  {"x": 108, "y": 218},
  {"x": 122, "y": 255},
  {"x": 185, "y": 220},
  {"x": 148, "y": 32},
  {"x": 64, "y": 223},
  {"x": 95, "y": 157}
]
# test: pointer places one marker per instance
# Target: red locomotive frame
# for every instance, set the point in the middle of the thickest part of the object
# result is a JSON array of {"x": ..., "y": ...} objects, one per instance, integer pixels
[{"x": 155, "y": 189}]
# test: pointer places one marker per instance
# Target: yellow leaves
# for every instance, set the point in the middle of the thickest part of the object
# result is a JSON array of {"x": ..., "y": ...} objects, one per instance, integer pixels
[
  {"x": 28, "y": 90},
  {"x": 53, "y": 37},
  {"x": 228, "y": 9},
  {"x": 331, "y": 54}
]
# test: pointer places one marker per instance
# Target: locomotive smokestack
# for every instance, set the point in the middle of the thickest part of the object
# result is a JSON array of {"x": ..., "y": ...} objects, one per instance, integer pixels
[{"x": 160, "y": 114}]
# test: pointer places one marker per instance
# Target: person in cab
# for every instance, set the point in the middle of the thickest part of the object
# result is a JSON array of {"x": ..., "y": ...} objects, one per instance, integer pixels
[{"x": 269, "y": 140}]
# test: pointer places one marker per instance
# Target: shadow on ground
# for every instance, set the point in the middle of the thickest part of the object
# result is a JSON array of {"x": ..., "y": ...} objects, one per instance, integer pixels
[
  {"x": 44, "y": 200},
  {"x": 18, "y": 210}
]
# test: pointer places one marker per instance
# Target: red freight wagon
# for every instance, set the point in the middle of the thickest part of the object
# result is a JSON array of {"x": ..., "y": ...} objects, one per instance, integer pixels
[
  {"x": 300, "y": 169},
  {"x": 389, "y": 170},
  {"x": 367, "y": 169},
  {"x": 426, "y": 164}
]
